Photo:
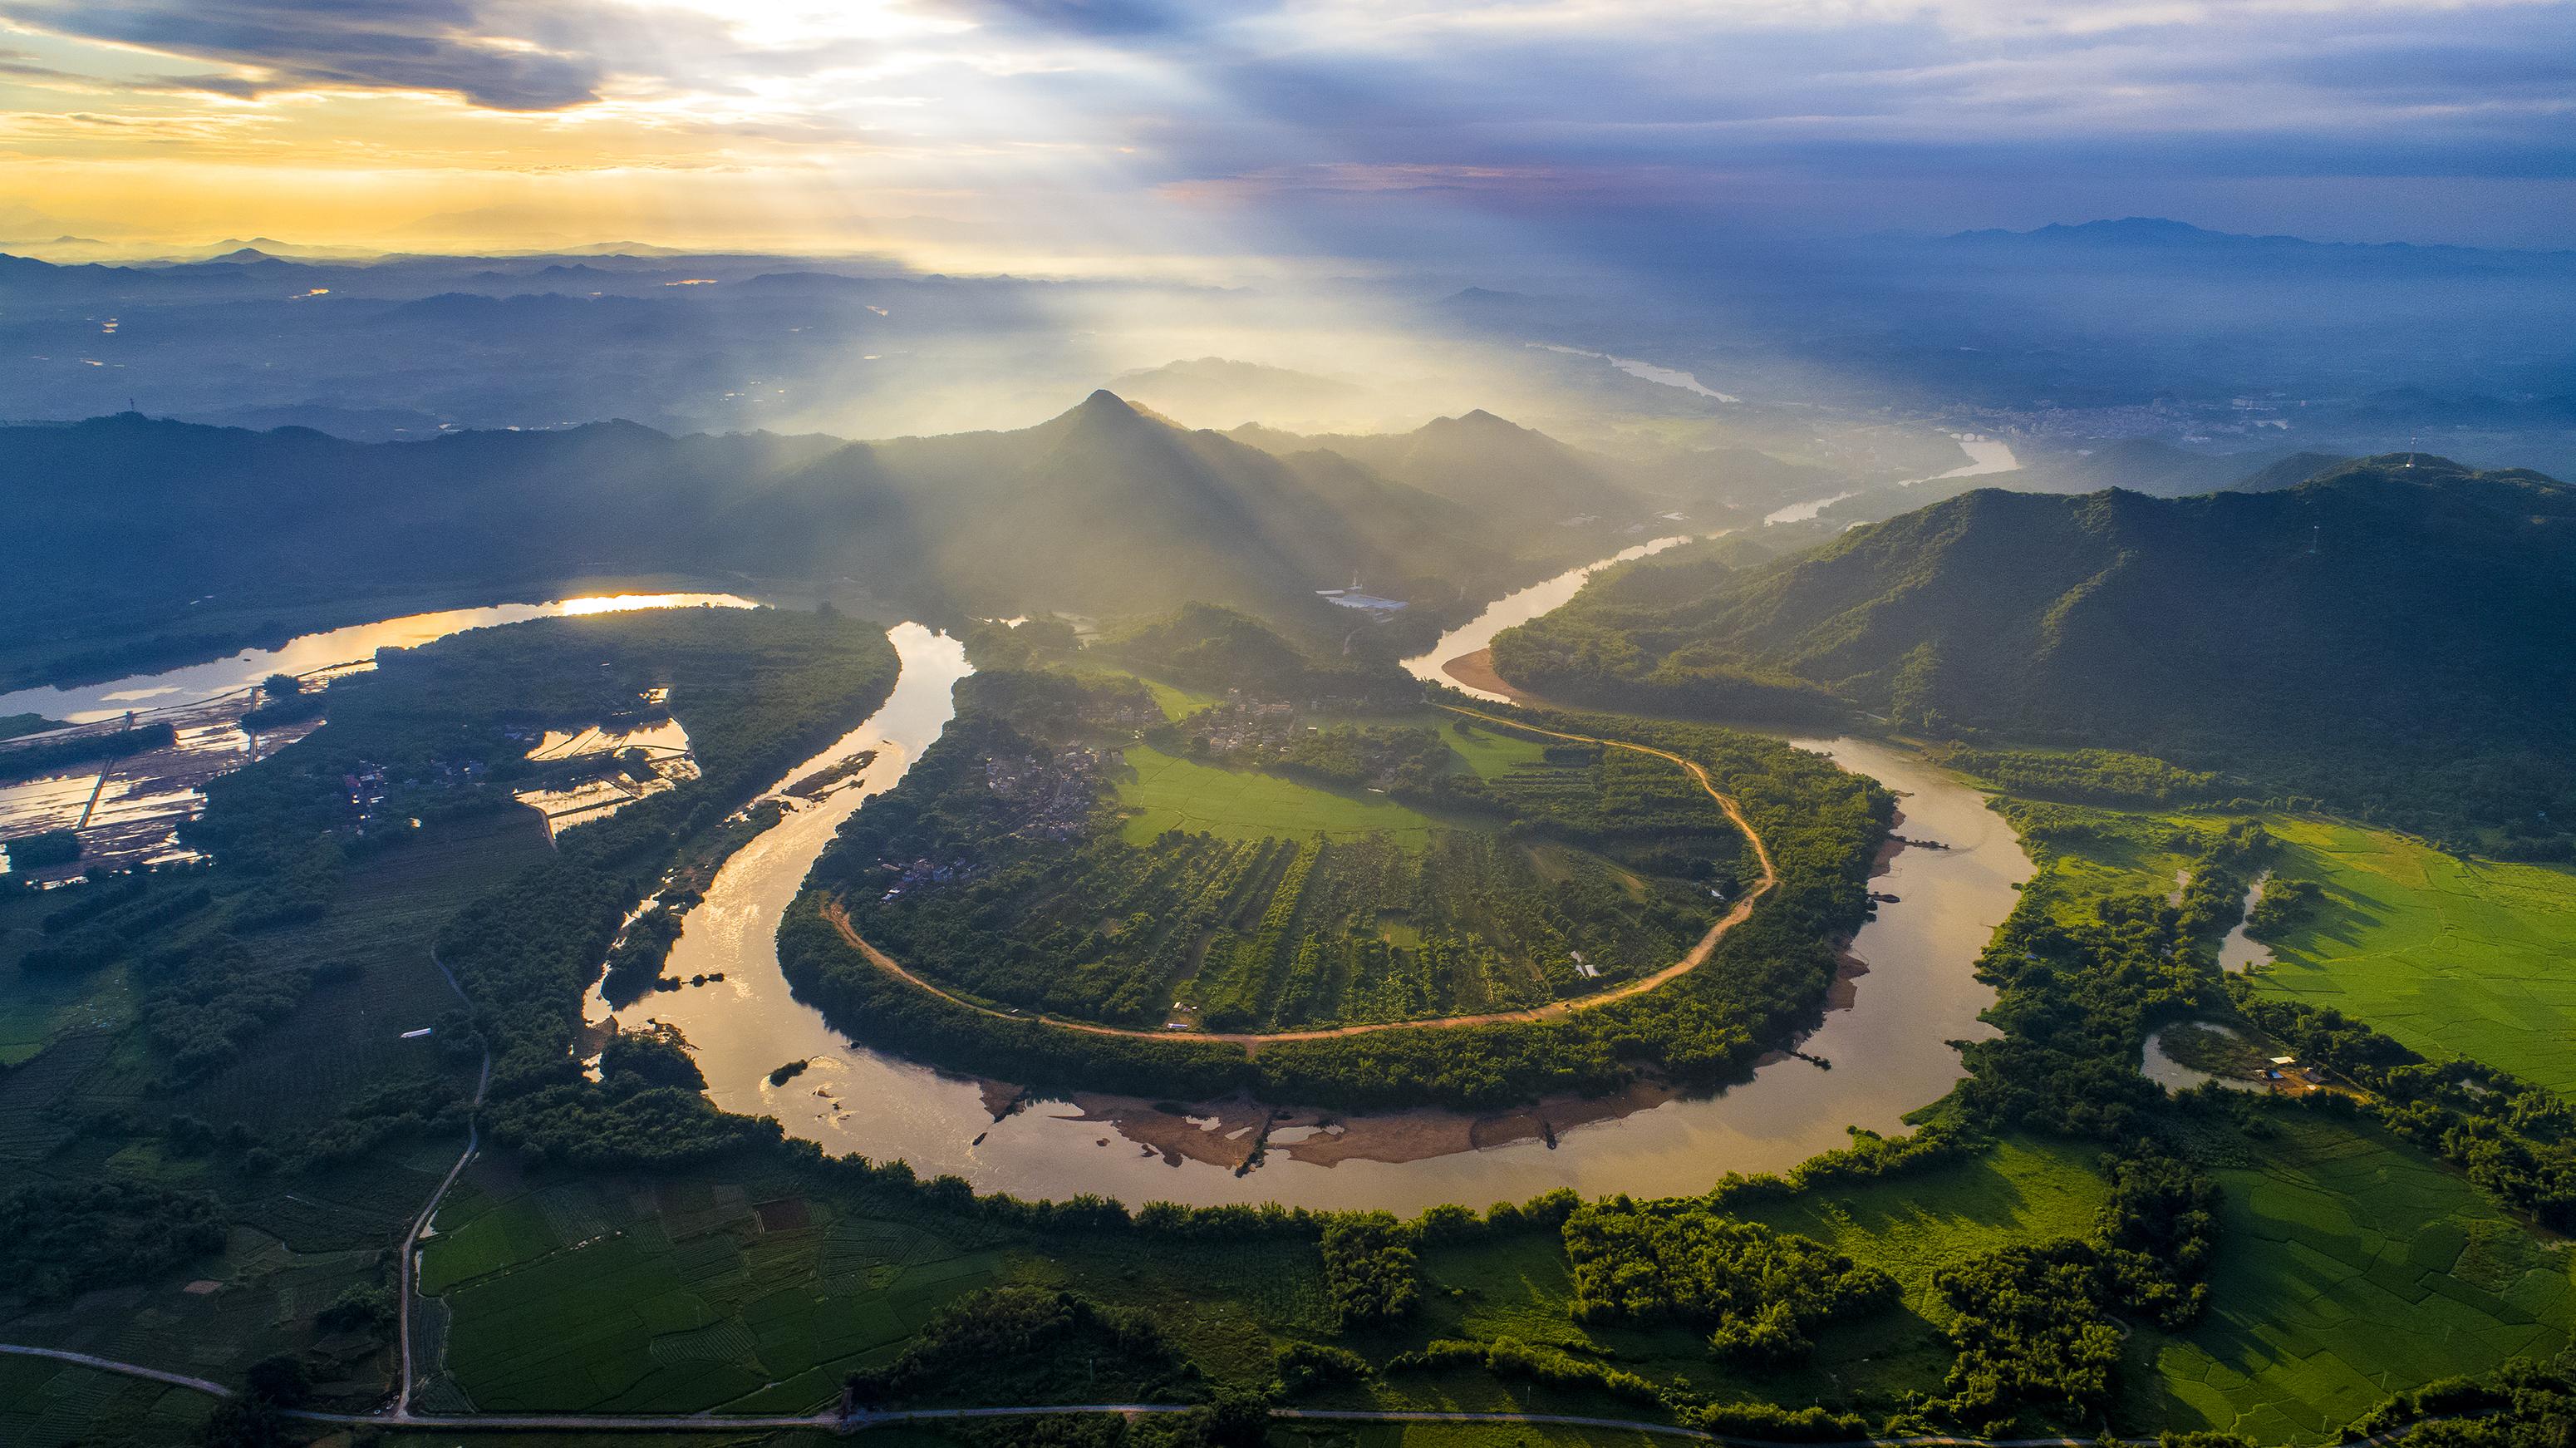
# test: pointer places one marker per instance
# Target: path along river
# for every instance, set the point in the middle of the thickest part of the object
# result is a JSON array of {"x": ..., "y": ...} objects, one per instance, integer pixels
[{"x": 1889, "y": 1038}]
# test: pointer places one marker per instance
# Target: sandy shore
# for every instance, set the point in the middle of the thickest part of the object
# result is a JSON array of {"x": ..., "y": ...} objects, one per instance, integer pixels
[
  {"x": 1225, "y": 1133},
  {"x": 1476, "y": 671}
]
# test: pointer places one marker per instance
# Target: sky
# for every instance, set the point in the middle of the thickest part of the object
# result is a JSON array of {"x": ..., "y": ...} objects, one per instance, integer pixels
[{"x": 1254, "y": 137}]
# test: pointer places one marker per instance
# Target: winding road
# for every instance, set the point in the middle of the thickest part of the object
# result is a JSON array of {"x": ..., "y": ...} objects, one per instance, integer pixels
[{"x": 1253, "y": 1041}]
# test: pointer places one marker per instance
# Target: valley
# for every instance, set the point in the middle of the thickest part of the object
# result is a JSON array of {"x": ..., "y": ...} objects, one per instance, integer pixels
[
  {"x": 1591, "y": 955},
  {"x": 1112, "y": 724}
]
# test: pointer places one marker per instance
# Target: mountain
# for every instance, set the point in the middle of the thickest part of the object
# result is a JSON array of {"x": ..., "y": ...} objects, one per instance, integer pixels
[
  {"x": 1513, "y": 476},
  {"x": 2391, "y": 622},
  {"x": 2160, "y": 469},
  {"x": 2288, "y": 472},
  {"x": 2135, "y": 236},
  {"x": 1104, "y": 511}
]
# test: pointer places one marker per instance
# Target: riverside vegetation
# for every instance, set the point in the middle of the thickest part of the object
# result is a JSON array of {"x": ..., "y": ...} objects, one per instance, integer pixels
[
  {"x": 1003, "y": 864},
  {"x": 2386, "y": 630},
  {"x": 2057, "y": 1246}
]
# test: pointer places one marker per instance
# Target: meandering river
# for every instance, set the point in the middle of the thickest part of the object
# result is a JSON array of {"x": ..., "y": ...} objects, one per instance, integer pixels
[
  {"x": 1910, "y": 995},
  {"x": 1889, "y": 1039}
]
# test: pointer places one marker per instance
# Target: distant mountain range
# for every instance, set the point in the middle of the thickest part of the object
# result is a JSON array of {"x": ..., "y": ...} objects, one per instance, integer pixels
[
  {"x": 2135, "y": 234},
  {"x": 2162, "y": 470},
  {"x": 2390, "y": 621},
  {"x": 1105, "y": 510}
]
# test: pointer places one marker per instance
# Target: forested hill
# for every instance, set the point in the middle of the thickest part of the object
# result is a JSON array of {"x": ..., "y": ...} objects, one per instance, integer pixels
[
  {"x": 1505, "y": 472},
  {"x": 2392, "y": 630},
  {"x": 1104, "y": 510}
]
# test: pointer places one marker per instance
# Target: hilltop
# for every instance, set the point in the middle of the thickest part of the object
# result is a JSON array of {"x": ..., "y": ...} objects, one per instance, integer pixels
[
  {"x": 2387, "y": 634},
  {"x": 1509, "y": 474},
  {"x": 1104, "y": 510}
]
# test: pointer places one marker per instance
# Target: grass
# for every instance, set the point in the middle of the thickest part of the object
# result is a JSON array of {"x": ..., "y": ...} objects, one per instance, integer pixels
[
  {"x": 2349, "y": 1266},
  {"x": 2453, "y": 957},
  {"x": 47, "y": 1404},
  {"x": 36, "y": 1008},
  {"x": 1170, "y": 793},
  {"x": 1176, "y": 703},
  {"x": 676, "y": 1295},
  {"x": 1490, "y": 754}
]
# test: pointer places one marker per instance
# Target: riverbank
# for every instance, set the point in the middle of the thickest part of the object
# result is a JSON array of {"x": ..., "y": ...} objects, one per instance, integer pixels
[{"x": 1889, "y": 1038}]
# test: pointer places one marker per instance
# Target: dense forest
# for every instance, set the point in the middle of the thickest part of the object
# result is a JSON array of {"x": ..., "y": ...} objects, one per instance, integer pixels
[{"x": 2382, "y": 638}]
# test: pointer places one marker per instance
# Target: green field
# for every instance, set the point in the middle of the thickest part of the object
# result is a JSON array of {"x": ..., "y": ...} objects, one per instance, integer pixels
[
  {"x": 1490, "y": 754},
  {"x": 1171, "y": 793},
  {"x": 55, "y": 1405},
  {"x": 2453, "y": 957},
  {"x": 1174, "y": 701},
  {"x": 35, "y": 1008},
  {"x": 1519, "y": 1285},
  {"x": 604, "y": 1295},
  {"x": 2349, "y": 1265}
]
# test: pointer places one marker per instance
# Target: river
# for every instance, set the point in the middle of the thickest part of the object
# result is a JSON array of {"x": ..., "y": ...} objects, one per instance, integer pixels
[
  {"x": 1985, "y": 455},
  {"x": 1889, "y": 1037},
  {"x": 306, "y": 653},
  {"x": 1516, "y": 608}
]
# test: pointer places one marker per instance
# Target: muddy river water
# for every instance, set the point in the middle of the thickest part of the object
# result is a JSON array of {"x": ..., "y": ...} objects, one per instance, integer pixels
[{"x": 1908, "y": 995}]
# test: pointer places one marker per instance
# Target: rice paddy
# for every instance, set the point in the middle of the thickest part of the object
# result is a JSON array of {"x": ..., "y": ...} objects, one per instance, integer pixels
[
  {"x": 674, "y": 1295},
  {"x": 2453, "y": 957},
  {"x": 2349, "y": 1266}
]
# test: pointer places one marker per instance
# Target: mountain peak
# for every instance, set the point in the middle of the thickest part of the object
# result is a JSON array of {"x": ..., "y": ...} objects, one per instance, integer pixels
[{"x": 1477, "y": 420}]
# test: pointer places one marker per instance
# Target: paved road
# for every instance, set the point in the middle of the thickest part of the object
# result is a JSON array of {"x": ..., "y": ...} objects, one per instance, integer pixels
[
  {"x": 411, "y": 1240},
  {"x": 863, "y": 1418},
  {"x": 110, "y": 1365},
  {"x": 1253, "y": 1041}
]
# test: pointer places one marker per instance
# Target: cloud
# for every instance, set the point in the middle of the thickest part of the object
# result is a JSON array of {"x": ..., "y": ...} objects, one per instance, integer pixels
[
  {"x": 478, "y": 52},
  {"x": 1640, "y": 113}
]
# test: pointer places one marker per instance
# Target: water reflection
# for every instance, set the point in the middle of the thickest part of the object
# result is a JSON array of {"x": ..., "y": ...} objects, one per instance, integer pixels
[
  {"x": 1517, "y": 608},
  {"x": 88, "y": 703}
]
